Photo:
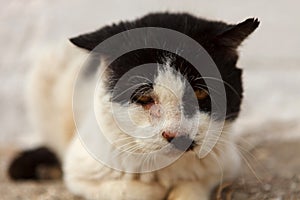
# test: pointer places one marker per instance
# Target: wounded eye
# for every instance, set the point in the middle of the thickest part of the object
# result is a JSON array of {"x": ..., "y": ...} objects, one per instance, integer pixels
[
  {"x": 142, "y": 96},
  {"x": 144, "y": 100},
  {"x": 201, "y": 94}
]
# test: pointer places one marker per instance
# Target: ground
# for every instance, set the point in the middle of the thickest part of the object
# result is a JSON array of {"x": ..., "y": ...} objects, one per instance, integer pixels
[{"x": 272, "y": 172}]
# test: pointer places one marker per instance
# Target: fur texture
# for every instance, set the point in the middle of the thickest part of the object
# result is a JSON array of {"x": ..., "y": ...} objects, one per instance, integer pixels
[
  {"x": 163, "y": 99},
  {"x": 31, "y": 164}
]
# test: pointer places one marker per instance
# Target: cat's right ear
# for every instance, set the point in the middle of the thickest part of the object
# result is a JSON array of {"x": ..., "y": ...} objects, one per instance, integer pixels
[
  {"x": 91, "y": 40},
  {"x": 86, "y": 41}
]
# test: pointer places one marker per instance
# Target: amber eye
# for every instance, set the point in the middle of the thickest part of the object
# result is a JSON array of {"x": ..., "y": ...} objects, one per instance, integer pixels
[{"x": 201, "y": 94}]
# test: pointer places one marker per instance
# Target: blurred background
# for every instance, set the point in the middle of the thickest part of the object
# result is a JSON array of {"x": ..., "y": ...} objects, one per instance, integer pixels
[{"x": 270, "y": 57}]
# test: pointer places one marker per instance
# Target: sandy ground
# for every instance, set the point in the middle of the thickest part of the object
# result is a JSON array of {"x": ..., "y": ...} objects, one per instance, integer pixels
[
  {"x": 270, "y": 171},
  {"x": 270, "y": 117}
]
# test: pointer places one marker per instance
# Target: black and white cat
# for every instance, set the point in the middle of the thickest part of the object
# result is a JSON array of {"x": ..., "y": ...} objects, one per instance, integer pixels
[{"x": 160, "y": 101}]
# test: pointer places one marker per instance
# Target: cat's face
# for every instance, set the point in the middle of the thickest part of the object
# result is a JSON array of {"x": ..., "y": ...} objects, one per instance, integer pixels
[
  {"x": 169, "y": 104},
  {"x": 166, "y": 110}
]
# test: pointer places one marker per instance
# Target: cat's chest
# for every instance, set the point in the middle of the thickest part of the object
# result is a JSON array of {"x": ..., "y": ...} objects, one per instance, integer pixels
[{"x": 187, "y": 168}]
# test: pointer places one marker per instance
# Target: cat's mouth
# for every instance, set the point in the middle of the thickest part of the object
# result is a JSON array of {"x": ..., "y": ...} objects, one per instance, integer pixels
[{"x": 183, "y": 143}]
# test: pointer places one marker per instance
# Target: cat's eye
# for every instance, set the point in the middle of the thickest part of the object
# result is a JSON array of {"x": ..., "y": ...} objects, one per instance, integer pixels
[
  {"x": 144, "y": 100},
  {"x": 201, "y": 94},
  {"x": 142, "y": 96}
]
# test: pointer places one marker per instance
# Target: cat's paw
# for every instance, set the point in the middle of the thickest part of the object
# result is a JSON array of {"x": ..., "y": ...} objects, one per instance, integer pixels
[{"x": 190, "y": 191}]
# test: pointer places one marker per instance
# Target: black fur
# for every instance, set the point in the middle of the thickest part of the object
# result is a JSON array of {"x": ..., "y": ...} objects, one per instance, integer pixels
[
  {"x": 25, "y": 166},
  {"x": 219, "y": 39},
  {"x": 203, "y": 31}
]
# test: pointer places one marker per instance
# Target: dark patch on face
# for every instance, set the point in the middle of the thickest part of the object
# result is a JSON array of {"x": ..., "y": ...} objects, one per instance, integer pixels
[
  {"x": 139, "y": 57},
  {"x": 183, "y": 143},
  {"x": 191, "y": 104},
  {"x": 219, "y": 39}
]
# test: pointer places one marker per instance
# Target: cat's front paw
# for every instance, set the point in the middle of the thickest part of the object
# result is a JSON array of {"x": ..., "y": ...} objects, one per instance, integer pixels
[{"x": 188, "y": 191}]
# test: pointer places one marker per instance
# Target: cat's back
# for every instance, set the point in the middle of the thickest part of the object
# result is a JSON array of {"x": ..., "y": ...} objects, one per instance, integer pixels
[{"x": 49, "y": 94}]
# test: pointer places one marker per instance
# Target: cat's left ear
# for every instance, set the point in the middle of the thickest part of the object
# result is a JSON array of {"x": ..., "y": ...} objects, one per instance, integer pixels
[{"x": 236, "y": 34}]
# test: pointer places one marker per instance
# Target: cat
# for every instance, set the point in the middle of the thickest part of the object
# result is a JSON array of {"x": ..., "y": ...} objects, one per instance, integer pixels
[{"x": 159, "y": 104}]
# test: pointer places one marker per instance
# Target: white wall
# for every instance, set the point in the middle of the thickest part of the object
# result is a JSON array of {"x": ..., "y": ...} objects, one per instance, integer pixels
[{"x": 271, "y": 56}]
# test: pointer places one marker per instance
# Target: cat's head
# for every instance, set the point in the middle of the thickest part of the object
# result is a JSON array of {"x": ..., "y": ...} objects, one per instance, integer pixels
[{"x": 169, "y": 102}]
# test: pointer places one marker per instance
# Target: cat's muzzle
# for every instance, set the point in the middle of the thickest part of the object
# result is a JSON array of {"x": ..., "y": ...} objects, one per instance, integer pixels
[{"x": 182, "y": 143}]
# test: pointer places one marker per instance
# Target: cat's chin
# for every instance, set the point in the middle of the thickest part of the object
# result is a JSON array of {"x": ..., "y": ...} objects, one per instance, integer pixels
[{"x": 172, "y": 151}]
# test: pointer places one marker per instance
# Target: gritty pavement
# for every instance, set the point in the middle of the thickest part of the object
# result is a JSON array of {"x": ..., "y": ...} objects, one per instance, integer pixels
[{"x": 271, "y": 171}]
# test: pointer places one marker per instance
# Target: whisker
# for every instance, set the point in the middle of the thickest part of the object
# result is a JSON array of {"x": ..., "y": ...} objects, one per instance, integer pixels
[
  {"x": 136, "y": 85},
  {"x": 225, "y": 82},
  {"x": 243, "y": 157},
  {"x": 141, "y": 77}
]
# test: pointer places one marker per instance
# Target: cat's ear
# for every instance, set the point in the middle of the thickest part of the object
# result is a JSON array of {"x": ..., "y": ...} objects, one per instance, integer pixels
[
  {"x": 86, "y": 41},
  {"x": 90, "y": 40},
  {"x": 236, "y": 34}
]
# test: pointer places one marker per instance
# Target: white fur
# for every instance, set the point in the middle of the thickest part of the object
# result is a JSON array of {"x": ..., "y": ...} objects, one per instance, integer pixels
[{"x": 188, "y": 178}]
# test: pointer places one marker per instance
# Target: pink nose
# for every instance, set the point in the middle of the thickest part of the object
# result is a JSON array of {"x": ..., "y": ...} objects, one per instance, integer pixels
[{"x": 169, "y": 136}]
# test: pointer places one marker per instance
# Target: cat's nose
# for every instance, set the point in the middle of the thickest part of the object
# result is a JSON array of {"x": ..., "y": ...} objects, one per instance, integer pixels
[
  {"x": 169, "y": 136},
  {"x": 183, "y": 143}
]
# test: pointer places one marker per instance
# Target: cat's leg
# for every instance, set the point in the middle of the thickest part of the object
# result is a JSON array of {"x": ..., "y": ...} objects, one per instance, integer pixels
[
  {"x": 190, "y": 190},
  {"x": 220, "y": 166},
  {"x": 118, "y": 190},
  {"x": 87, "y": 177}
]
